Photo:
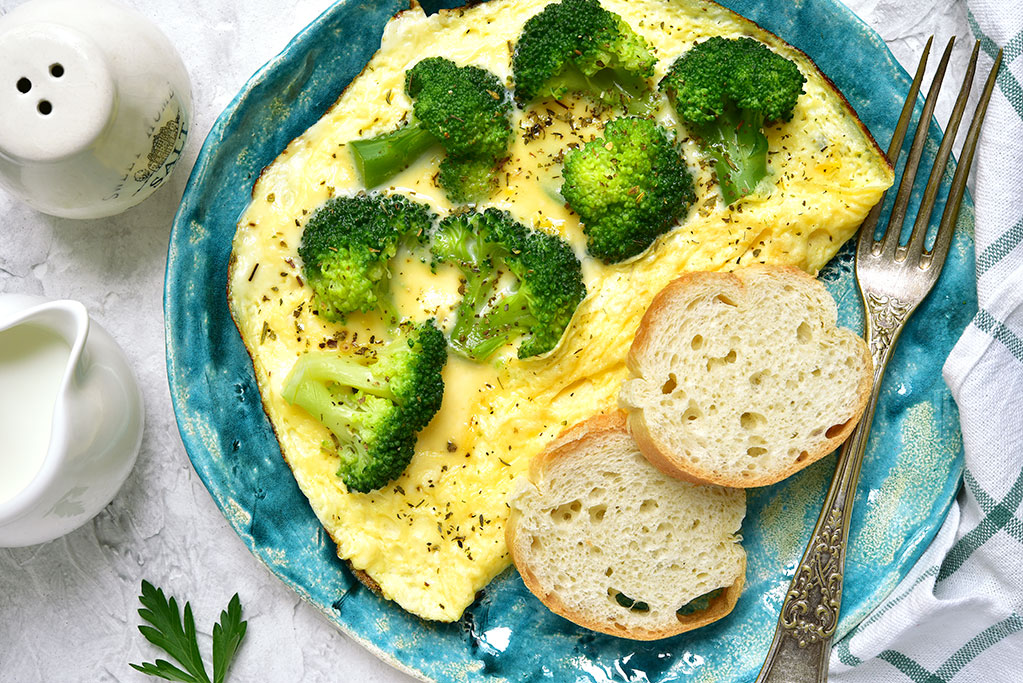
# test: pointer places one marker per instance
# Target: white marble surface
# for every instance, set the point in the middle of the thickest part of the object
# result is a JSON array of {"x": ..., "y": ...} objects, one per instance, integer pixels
[{"x": 67, "y": 608}]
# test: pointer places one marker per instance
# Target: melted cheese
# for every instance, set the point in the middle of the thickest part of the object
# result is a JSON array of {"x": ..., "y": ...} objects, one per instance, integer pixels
[{"x": 435, "y": 536}]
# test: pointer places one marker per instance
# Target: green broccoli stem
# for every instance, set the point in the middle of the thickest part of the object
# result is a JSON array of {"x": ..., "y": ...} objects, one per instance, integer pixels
[
  {"x": 380, "y": 158},
  {"x": 610, "y": 86},
  {"x": 317, "y": 400},
  {"x": 478, "y": 334},
  {"x": 313, "y": 371},
  {"x": 388, "y": 311},
  {"x": 738, "y": 145},
  {"x": 467, "y": 336},
  {"x": 478, "y": 342},
  {"x": 307, "y": 387}
]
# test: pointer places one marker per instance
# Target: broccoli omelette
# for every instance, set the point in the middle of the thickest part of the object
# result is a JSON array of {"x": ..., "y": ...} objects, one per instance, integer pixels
[{"x": 434, "y": 536}]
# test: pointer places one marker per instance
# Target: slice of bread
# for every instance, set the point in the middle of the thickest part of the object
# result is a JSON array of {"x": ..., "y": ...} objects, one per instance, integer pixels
[
  {"x": 610, "y": 543},
  {"x": 741, "y": 379}
]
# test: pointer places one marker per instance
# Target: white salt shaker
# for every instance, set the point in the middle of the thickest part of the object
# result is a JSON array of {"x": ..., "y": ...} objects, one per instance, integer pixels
[{"x": 95, "y": 106}]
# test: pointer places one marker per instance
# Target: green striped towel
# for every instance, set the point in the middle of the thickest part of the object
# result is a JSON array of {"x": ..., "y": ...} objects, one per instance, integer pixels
[{"x": 958, "y": 615}]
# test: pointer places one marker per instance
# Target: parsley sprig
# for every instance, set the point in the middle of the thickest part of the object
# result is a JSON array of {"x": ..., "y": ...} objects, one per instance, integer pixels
[{"x": 177, "y": 637}]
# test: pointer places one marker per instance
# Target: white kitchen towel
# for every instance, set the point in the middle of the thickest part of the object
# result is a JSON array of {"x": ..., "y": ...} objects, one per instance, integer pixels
[{"x": 958, "y": 615}]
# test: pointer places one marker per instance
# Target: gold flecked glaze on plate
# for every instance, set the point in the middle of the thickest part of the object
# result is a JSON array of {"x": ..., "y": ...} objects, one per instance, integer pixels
[
  {"x": 927, "y": 449},
  {"x": 422, "y": 538},
  {"x": 783, "y": 531}
]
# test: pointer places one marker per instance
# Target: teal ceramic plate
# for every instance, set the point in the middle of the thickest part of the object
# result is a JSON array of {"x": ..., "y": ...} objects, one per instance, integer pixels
[{"x": 910, "y": 475}]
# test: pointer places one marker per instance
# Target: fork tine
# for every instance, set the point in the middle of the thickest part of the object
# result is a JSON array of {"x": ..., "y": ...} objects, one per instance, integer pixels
[
  {"x": 936, "y": 258},
  {"x": 915, "y": 247},
  {"x": 867, "y": 228},
  {"x": 893, "y": 233},
  {"x": 895, "y": 146}
]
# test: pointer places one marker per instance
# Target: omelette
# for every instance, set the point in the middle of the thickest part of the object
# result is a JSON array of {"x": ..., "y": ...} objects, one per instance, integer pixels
[{"x": 435, "y": 536}]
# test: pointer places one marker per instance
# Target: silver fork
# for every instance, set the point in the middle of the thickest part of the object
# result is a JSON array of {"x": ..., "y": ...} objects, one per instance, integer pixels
[{"x": 893, "y": 280}]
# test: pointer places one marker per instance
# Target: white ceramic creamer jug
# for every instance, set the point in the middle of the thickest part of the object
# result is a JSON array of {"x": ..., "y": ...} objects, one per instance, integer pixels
[
  {"x": 95, "y": 106},
  {"x": 70, "y": 418}
]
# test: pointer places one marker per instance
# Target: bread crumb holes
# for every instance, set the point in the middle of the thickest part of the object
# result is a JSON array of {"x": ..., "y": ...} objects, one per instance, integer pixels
[
  {"x": 692, "y": 411},
  {"x": 834, "y": 430},
  {"x": 565, "y": 513},
  {"x": 752, "y": 421}
]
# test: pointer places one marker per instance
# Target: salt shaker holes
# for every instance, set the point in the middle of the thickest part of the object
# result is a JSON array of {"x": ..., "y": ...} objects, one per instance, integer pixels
[
  {"x": 57, "y": 70},
  {"x": 44, "y": 107},
  {"x": 24, "y": 85}
]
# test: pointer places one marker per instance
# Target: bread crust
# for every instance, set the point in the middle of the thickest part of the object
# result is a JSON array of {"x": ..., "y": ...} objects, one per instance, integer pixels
[
  {"x": 565, "y": 446},
  {"x": 660, "y": 454}
]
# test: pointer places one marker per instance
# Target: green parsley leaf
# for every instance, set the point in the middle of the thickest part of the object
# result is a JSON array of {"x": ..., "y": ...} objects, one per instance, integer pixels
[
  {"x": 227, "y": 636},
  {"x": 161, "y": 668},
  {"x": 176, "y": 636}
]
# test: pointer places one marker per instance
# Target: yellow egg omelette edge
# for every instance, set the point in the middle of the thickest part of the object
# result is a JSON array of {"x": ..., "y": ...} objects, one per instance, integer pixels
[{"x": 435, "y": 536}]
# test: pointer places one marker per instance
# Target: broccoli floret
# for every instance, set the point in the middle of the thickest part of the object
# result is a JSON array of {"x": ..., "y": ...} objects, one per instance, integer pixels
[
  {"x": 467, "y": 180},
  {"x": 375, "y": 411},
  {"x": 347, "y": 247},
  {"x": 536, "y": 307},
  {"x": 465, "y": 109},
  {"x": 578, "y": 46},
  {"x": 628, "y": 187},
  {"x": 726, "y": 90}
]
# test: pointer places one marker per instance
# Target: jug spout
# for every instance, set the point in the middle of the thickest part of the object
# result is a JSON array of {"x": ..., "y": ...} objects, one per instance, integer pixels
[{"x": 66, "y": 319}]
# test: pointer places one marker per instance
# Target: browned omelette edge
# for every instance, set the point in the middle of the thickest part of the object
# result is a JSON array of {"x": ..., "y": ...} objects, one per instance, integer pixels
[{"x": 364, "y": 578}]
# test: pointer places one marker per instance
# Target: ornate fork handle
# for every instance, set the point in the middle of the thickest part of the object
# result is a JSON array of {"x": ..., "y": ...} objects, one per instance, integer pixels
[{"x": 809, "y": 615}]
